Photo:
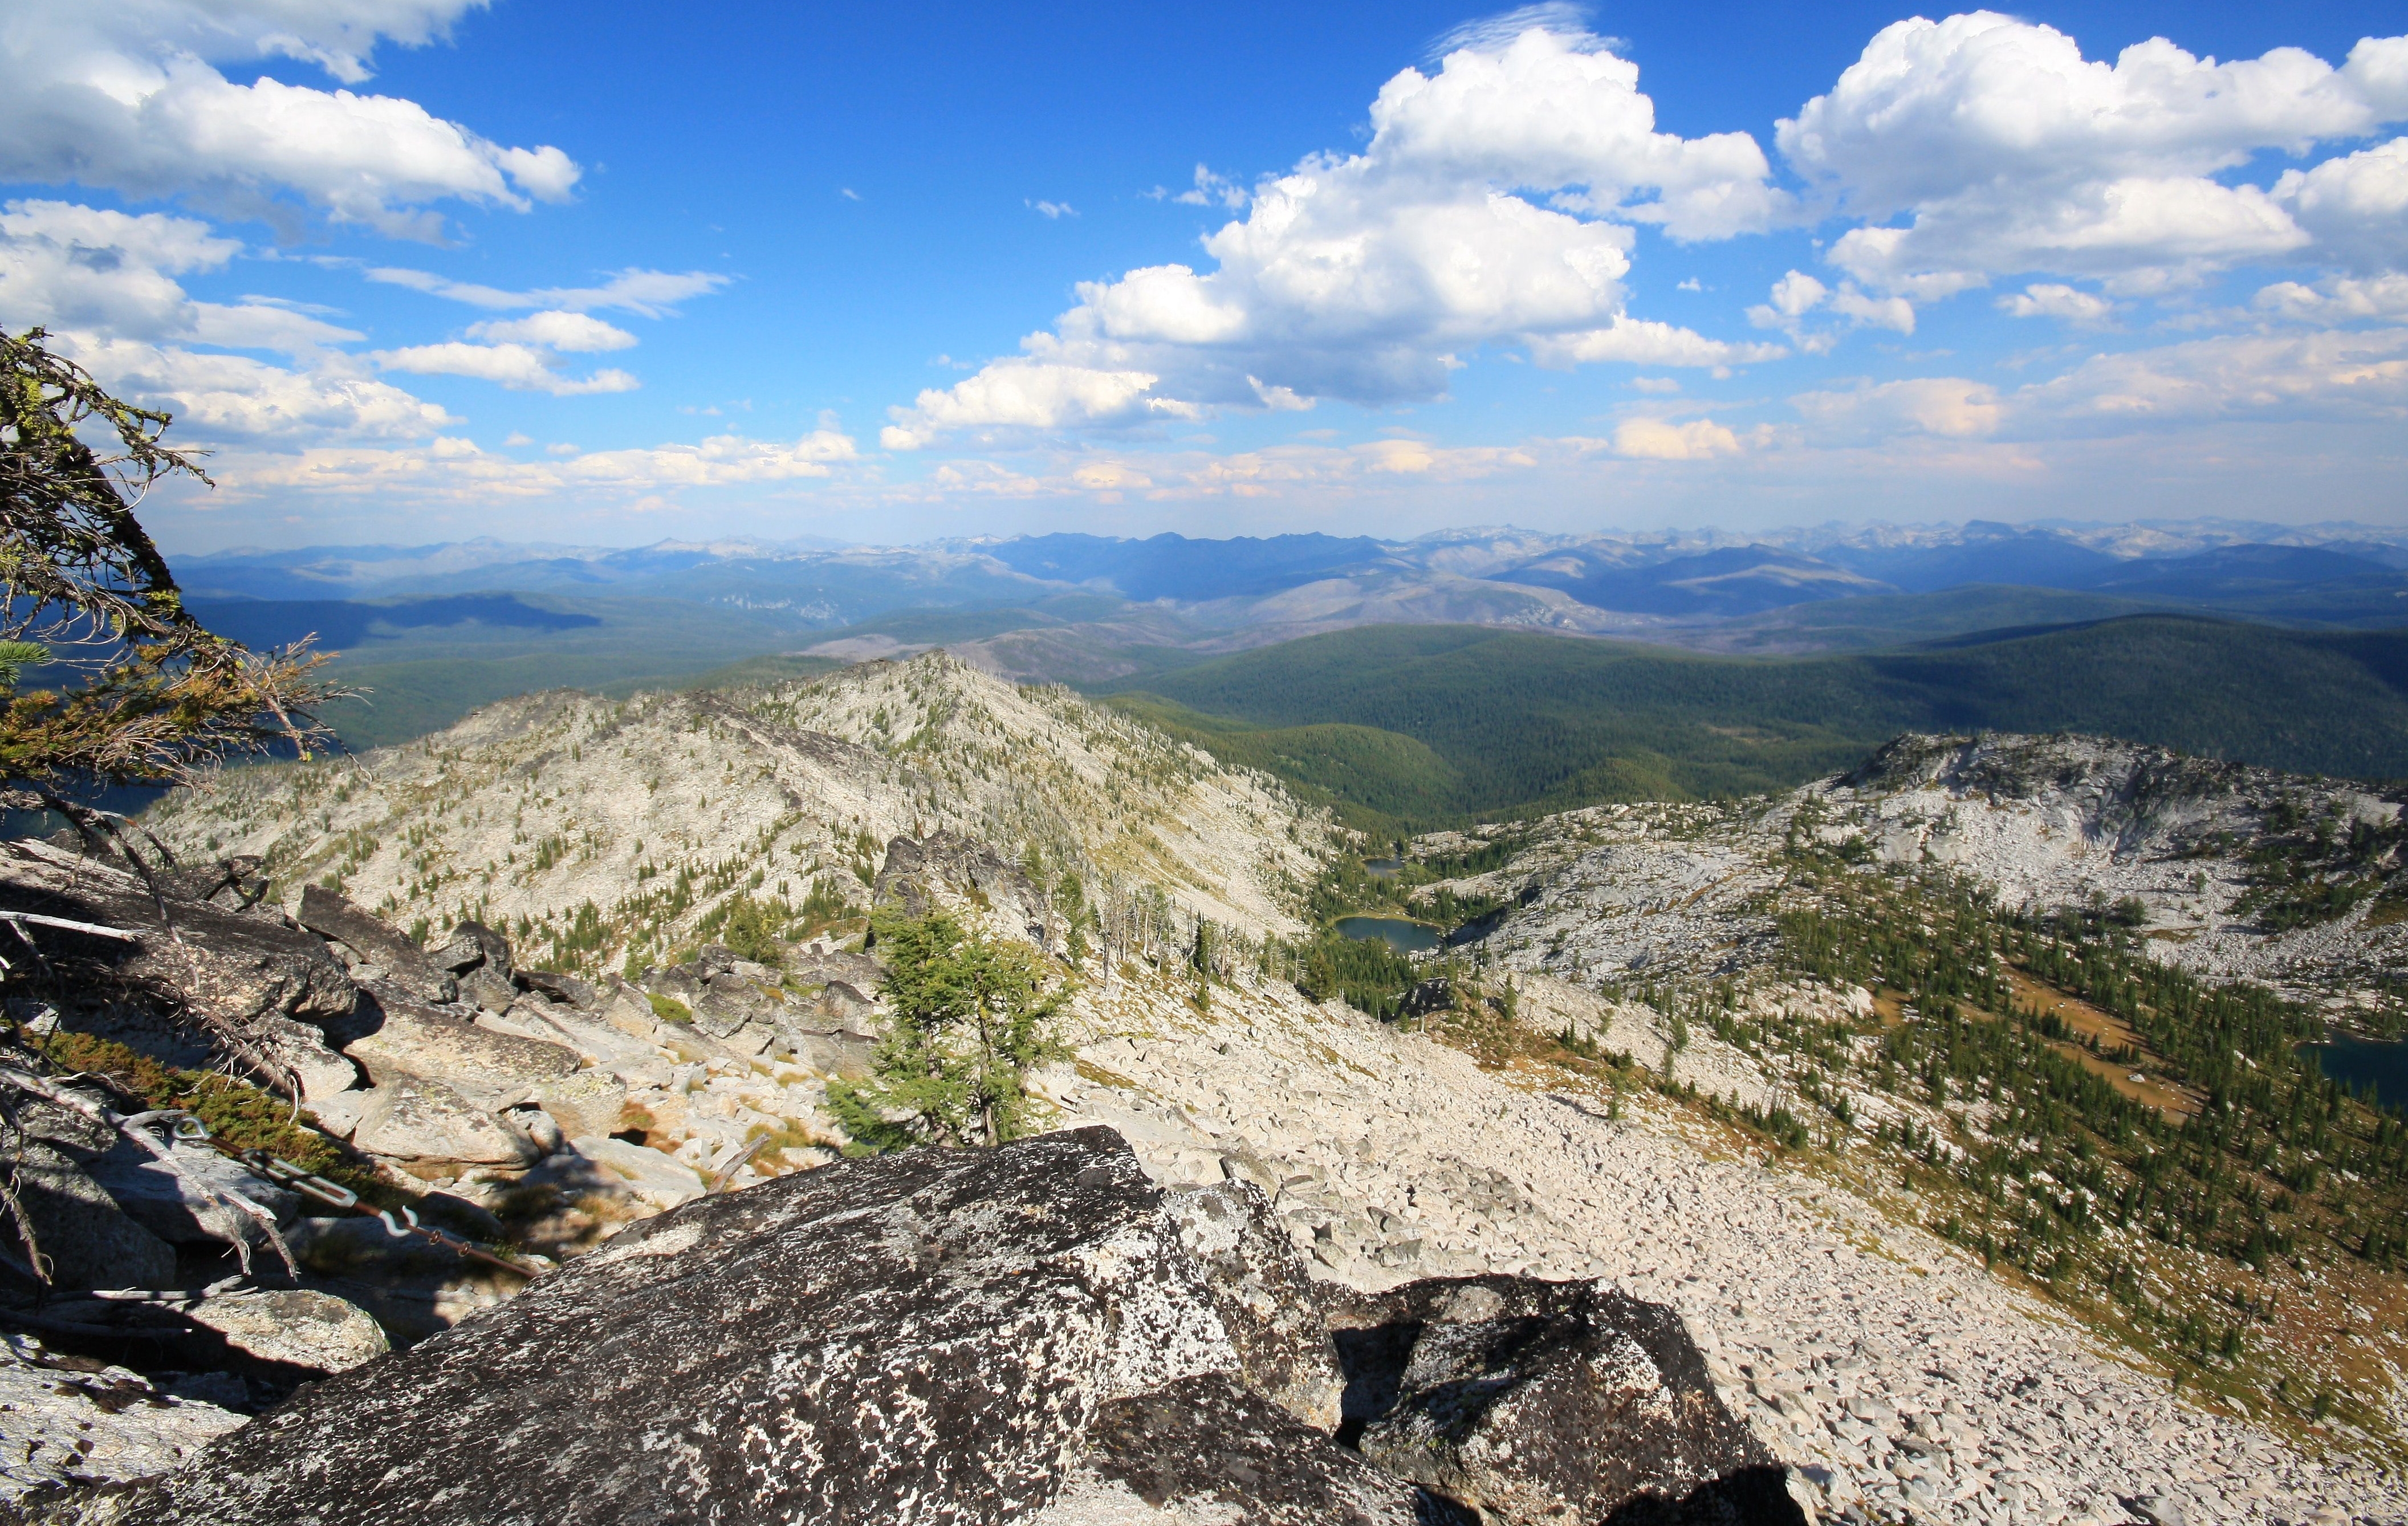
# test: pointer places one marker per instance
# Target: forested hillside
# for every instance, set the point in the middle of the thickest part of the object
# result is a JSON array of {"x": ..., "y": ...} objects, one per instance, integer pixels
[{"x": 1512, "y": 721}]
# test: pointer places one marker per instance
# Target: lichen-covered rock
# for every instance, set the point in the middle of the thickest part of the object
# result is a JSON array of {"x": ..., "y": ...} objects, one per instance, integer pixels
[
  {"x": 1549, "y": 1402},
  {"x": 1266, "y": 1299},
  {"x": 233, "y": 965},
  {"x": 1206, "y": 1451},
  {"x": 587, "y": 1103},
  {"x": 649, "y": 1173},
  {"x": 473, "y": 946},
  {"x": 947, "y": 869},
  {"x": 919, "y": 1338},
  {"x": 556, "y": 986},
  {"x": 180, "y": 1199}
]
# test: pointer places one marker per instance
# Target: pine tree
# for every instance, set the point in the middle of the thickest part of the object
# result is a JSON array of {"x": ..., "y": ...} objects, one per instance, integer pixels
[
  {"x": 87, "y": 593},
  {"x": 970, "y": 1017}
]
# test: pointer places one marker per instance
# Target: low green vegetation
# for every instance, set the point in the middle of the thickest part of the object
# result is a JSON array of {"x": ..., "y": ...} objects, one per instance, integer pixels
[
  {"x": 2316, "y": 866},
  {"x": 2102, "y": 1124},
  {"x": 971, "y": 1015},
  {"x": 1444, "y": 724},
  {"x": 236, "y": 1114}
]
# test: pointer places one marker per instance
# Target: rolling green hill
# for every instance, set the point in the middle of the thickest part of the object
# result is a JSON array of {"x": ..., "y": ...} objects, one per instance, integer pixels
[{"x": 1516, "y": 723}]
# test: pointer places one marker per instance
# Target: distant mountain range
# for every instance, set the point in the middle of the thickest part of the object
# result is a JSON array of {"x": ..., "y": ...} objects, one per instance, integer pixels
[
  {"x": 2328, "y": 575},
  {"x": 435, "y": 630}
]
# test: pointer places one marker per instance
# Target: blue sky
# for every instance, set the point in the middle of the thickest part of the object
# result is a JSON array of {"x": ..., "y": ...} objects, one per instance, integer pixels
[{"x": 423, "y": 270}]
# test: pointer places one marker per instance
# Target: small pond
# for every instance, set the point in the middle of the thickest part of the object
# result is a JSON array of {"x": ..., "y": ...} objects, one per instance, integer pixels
[
  {"x": 2367, "y": 1061},
  {"x": 1382, "y": 868},
  {"x": 1401, "y": 934}
]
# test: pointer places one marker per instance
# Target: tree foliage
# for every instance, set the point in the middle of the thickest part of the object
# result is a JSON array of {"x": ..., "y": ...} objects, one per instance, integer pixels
[
  {"x": 970, "y": 1017},
  {"x": 88, "y": 594}
]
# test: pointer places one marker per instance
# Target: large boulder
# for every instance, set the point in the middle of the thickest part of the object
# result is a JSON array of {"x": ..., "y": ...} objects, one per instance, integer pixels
[
  {"x": 182, "y": 1199},
  {"x": 946, "y": 868},
  {"x": 232, "y": 966},
  {"x": 927, "y": 1337},
  {"x": 295, "y": 1328},
  {"x": 655, "y": 1177},
  {"x": 72, "y": 1421},
  {"x": 87, "y": 1239},
  {"x": 1549, "y": 1402},
  {"x": 473, "y": 946},
  {"x": 410, "y": 1118},
  {"x": 490, "y": 1068},
  {"x": 1208, "y": 1450},
  {"x": 1265, "y": 1297},
  {"x": 377, "y": 952}
]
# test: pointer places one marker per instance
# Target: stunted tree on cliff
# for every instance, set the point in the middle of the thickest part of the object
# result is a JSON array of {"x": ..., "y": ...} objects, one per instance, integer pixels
[
  {"x": 155, "y": 695},
  {"x": 970, "y": 1016}
]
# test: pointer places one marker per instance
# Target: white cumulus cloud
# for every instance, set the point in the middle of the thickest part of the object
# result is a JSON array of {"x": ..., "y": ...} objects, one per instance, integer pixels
[
  {"x": 1032, "y": 396},
  {"x": 130, "y": 97},
  {"x": 516, "y": 366},
  {"x": 1661, "y": 439},
  {"x": 106, "y": 284},
  {"x": 2354, "y": 205},
  {"x": 1366, "y": 277},
  {"x": 2006, "y": 152},
  {"x": 2050, "y": 299},
  {"x": 1796, "y": 294},
  {"x": 449, "y": 470},
  {"x": 1951, "y": 407},
  {"x": 647, "y": 294},
  {"x": 580, "y": 333}
]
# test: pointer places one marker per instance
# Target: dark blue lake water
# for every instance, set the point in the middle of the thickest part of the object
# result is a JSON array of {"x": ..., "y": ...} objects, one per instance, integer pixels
[
  {"x": 1382, "y": 868},
  {"x": 2363, "y": 1062},
  {"x": 1397, "y": 932}
]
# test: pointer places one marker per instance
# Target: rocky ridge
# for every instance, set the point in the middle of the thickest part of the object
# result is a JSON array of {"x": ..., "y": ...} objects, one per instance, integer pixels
[
  {"x": 1619, "y": 893},
  {"x": 652, "y": 812}
]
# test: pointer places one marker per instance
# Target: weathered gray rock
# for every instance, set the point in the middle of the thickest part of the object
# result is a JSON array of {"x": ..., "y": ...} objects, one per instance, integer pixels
[
  {"x": 488, "y": 991},
  {"x": 682, "y": 981},
  {"x": 649, "y": 1173},
  {"x": 556, "y": 986},
  {"x": 182, "y": 1202},
  {"x": 86, "y": 1237},
  {"x": 235, "y": 966},
  {"x": 476, "y": 1061},
  {"x": 1206, "y": 1448},
  {"x": 1549, "y": 1402},
  {"x": 1265, "y": 1297},
  {"x": 587, "y": 1103},
  {"x": 921, "y": 1338},
  {"x": 374, "y": 943},
  {"x": 595, "y": 1041},
  {"x": 730, "y": 1002},
  {"x": 73, "y": 1420},
  {"x": 473, "y": 946},
  {"x": 410, "y": 1118},
  {"x": 304, "y": 1053},
  {"x": 826, "y": 1047},
  {"x": 293, "y": 1328},
  {"x": 963, "y": 868}
]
